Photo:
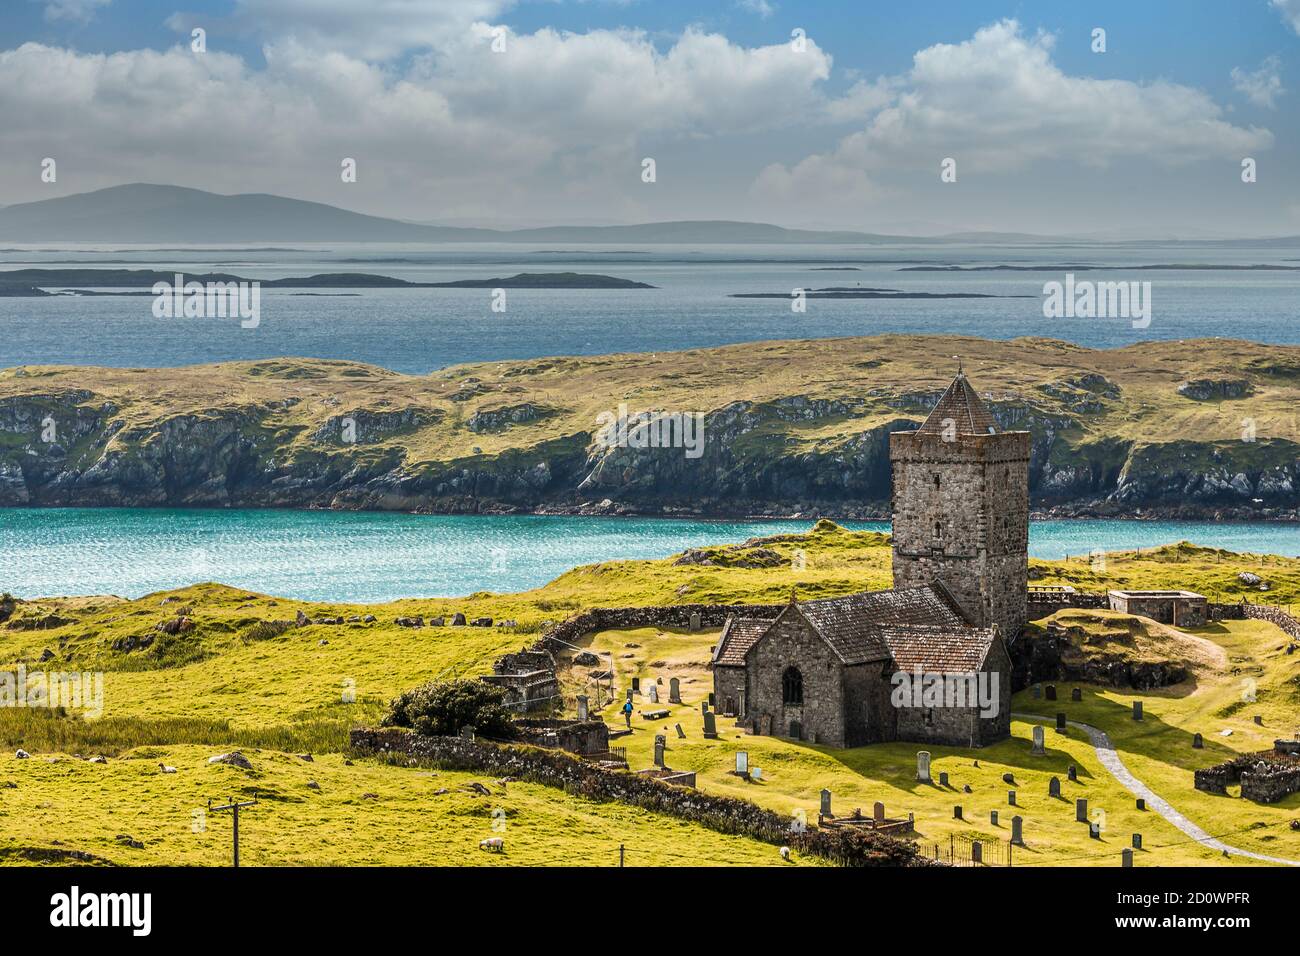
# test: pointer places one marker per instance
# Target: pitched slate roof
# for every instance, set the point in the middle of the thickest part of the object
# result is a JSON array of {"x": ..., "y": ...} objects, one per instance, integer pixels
[
  {"x": 852, "y": 625},
  {"x": 961, "y": 404},
  {"x": 942, "y": 650},
  {"x": 739, "y": 634}
]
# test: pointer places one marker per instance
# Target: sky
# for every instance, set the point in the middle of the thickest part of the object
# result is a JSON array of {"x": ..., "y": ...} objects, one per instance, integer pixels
[{"x": 813, "y": 114}]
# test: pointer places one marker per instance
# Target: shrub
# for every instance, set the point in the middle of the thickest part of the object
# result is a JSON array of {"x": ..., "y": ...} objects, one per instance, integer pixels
[{"x": 442, "y": 708}]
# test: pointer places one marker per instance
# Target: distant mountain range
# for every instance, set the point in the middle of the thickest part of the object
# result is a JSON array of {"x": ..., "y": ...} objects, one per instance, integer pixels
[{"x": 146, "y": 213}]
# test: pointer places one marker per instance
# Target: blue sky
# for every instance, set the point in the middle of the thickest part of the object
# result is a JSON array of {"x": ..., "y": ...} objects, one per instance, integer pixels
[{"x": 1047, "y": 134}]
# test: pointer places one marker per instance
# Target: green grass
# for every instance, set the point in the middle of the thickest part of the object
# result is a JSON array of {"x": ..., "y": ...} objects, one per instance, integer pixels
[{"x": 214, "y": 687}]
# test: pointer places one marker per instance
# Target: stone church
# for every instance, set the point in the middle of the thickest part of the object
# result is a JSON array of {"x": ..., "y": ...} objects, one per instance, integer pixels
[{"x": 925, "y": 661}]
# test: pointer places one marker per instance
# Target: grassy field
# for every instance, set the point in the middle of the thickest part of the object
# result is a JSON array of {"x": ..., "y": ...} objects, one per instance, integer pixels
[{"x": 225, "y": 683}]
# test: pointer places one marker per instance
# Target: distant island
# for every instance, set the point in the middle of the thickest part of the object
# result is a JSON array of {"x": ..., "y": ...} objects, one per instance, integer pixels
[
  {"x": 36, "y": 282},
  {"x": 850, "y": 292}
]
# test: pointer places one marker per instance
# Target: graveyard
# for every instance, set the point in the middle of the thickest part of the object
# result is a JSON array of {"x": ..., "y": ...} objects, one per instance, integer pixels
[{"x": 224, "y": 683}]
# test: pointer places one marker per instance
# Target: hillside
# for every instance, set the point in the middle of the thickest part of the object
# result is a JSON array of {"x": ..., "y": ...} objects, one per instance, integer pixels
[{"x": 1188, "y": 429}]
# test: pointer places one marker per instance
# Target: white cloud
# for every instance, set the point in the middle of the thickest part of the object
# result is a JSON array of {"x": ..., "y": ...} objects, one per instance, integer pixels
[
  {"x": 78, "y": 11},
  {"x": 1290, "y": 10},
  {"x": 760, "y": 7},
  {"x": 998, "y": 103},
  {"x": 1260, "y": 86}
]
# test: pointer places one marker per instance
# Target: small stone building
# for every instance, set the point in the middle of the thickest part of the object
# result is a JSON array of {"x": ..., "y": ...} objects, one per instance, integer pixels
[
  {"x": 1176, "y": 608},
  {"x": 865, "y": 668}
]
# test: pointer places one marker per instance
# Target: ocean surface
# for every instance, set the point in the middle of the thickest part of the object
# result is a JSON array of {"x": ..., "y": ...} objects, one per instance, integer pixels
[
  {"x": 371, "y": 557},
  {"x": 419, "y": 330}
]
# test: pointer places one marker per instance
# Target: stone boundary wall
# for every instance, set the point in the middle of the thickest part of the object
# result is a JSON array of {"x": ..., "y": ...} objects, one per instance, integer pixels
[
  {"x": 1265, "y": 777},
  {"x": 579, "y": 778},
  {"x": 571, "y": 630},
  {"x": 1274, "y": 615}
]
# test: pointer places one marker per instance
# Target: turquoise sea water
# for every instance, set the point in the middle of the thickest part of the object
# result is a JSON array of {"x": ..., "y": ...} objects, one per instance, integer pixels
[{"x": 367, "y": 556}]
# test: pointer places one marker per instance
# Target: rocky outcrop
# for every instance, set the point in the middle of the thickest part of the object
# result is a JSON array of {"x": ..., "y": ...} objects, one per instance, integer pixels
[{"x": 1215, "y": 389}]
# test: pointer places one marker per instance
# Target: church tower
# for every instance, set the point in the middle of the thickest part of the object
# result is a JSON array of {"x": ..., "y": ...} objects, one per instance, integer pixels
[{"x": 961, "y": 508}]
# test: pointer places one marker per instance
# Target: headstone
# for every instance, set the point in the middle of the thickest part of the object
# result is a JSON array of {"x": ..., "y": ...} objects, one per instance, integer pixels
[
  {"x": 1038, "y": 692},
  {"x": 1141, "y": 804},
  {"x": 756, "y": 773},
  {"x": 993, "y": 817},
  {"x": 1137, "y": 710},
  {"x": 629, "y": 693},
  {"x": 654, "y": 694},
  {"x": 1060, "y": 723},
  {"x": 826, "y": 804},
  {"x": 695, "y": 620},
  {"x": 710, "y": 726},
  {"x": 956, "y": 812},
  {"x": 681, "y": 734},
  {"x": 1137, "y": 841},
  {"x": 943, "y": 778},
  {"x": 582, "y": 706},
  {"x": 1051, "y": 692},
  {"x": 712, "y": 703},
  {"x": 674, "y": 691},
  {"x": 1072, "y": 773},
  {"x": 1094, "y": 831},
  {"x": 742, "y": 762},
  {"x": 1081, "y": 810},
  {"x": 1076, "y": 695},
  {"x": 1259, "y": 720},
  {"x": 636, "y": 685},
  {"x": 1126, "y": 856},
  {"x": 923, "y": 766},
  {"x": 878, "y": 812},
  {"x": 1054, "y": 787},
  {"x": 976, "y": 852},
  {"x": 1009, "y": 778},
  {"x": 660, "y": 743},
  {"x": 1038, "y": 750},
  {"x": 704, "y": 707},
  {"x": 1017, "y": 831},
  {"x": 1011, "y": 798},
  {"x": 1198, "y": 742}
]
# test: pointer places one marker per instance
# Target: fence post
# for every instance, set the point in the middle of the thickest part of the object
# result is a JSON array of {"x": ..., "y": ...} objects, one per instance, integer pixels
[{"x": 620, "y": 856}]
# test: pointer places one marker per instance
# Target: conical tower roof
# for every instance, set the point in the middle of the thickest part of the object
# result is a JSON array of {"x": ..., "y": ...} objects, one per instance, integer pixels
[{"x": 962, "y": 405}]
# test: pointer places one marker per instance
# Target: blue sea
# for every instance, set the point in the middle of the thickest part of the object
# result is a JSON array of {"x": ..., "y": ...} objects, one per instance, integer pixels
[
  {"x": 371, "y": 557},
  {"x": 420, "y": 330}
]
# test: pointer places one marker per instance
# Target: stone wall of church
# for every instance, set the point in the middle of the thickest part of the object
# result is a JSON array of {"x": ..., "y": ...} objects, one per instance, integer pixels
[
  {"x": 729, "y": 690},
  {"x": 869, "y": 716},
  {"x": 964, "y": 726},
  {"x": 791, "y": 642}
]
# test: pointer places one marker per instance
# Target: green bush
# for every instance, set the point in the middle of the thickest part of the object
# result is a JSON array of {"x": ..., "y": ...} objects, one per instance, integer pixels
[{"x": 443, "y": 708}]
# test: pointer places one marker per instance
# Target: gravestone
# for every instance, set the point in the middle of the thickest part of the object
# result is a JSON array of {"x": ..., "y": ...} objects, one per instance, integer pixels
[
  {"x": 943, "y": 778},
  {"x": 878, "y": 812},
  {"x": 976, "y": 852},
  {"x": 629, "y": 693},
  {"x": 1060, "y": 723},
  {"x": 636, "y": 685},
  {"x": 674, "y": 691},
  {"x": 1076, "y": 696},
  {"x": 654, "y": 694},
  {"x": 1198, "y": 742},
  {"x": 1137, "y": 710},
  {"x": 993, "y": 817},
  {"x": 1017, "y": 831},
  {"x": 1054, "y": 787},
  {"x": 756, "y": 773},
  {"x": 1072, "y": 773},
  {"x": 681, "y": 734},
  {"x": 1259, "y": 720},
  {"x": 1011, "y": 798},
  {"x": 1038, "y": 750},
  {"x": 582, "y": 706},
  {"x": 923, "y": 766},
  {"x": 695, "y": 620},
  {"x": 1009, "y": 778},
  {"x": 660, "y": 743},
  {"x": 826, "y": 804},
  {"x": 710, "y": 726},
  {"x": 956, "y": 812},
  {"x": 1126, "y": 855},
  {"x": 704, "y": 707},
  {"x": 1051, "y": 691},
  {"x": 1038, "y": 692},
  {"x": 742, "y": 762},
  {"x": 1137, "y": 841},
  {"x": 712, "y": 703},
  {"x": 1141, "y": 804},
  {"x": 1094, "y": 831},
  {"x": 1081, "y": 810}
]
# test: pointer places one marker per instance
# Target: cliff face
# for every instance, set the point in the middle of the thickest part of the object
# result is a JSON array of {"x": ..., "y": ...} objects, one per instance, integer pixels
[{"x": 812, "y": 436}]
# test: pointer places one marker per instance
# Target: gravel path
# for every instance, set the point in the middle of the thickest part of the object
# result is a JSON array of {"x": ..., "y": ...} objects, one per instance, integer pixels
[{"x": 1110, "y": 760}]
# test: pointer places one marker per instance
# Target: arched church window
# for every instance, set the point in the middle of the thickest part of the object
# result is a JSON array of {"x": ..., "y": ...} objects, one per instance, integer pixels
[{"x": 792, "y": 686}]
